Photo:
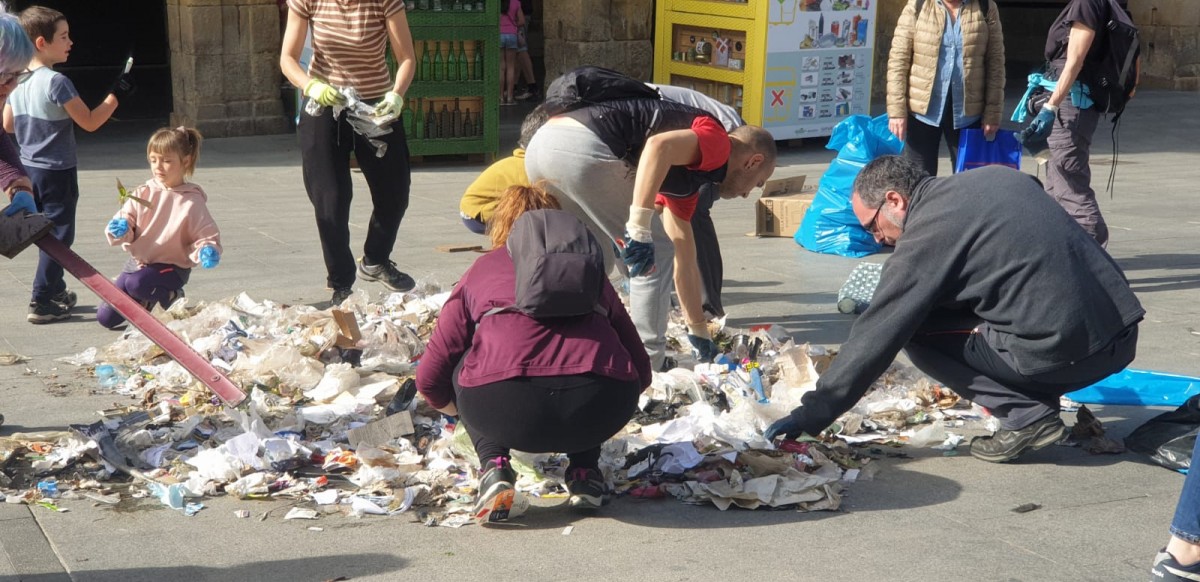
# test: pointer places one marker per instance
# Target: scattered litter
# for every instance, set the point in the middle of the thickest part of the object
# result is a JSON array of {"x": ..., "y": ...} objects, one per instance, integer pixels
[
  {"x": 334, "y": 421},
  {"x": 1026, "y": 508},
  {"x": 315, "y": 528},
  {"x": 300, "y": 513},
  {"x": 567, "y": 530},
  {"x": 7, "y": 359}
]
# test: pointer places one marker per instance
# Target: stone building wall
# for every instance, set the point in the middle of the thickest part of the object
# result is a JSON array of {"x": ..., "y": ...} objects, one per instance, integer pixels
[
  {"x": 225, "y": 74},
  {"x": 617, "y": 34}
]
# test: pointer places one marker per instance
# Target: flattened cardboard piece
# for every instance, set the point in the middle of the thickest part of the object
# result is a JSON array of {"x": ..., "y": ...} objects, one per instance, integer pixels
[
  {"x": 348, "y": 332},
  {"x": 379, "y": 432}
]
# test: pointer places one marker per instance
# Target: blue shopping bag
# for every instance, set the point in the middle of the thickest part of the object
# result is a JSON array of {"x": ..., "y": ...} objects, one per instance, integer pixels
[{"x": 976, "y": 152}]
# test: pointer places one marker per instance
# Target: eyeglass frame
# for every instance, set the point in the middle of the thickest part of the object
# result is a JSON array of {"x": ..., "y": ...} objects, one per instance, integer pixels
[
  {"x": 19, "y": 77},
  {"x": 872, "y": 226}
]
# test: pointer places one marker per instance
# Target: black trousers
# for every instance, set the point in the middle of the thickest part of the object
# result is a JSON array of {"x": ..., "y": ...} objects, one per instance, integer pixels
[
  {"x": 951, "y": 349},
  {"x": 921, "y": 144},
  {"x": 565, "y": 414},
  {"x": 325, "y": 146}
]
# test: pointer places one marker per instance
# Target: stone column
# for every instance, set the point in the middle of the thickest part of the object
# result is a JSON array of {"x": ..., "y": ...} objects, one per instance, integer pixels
[
  {"x": 225, "y": 74},
  {"x": 617, "y": 34}
]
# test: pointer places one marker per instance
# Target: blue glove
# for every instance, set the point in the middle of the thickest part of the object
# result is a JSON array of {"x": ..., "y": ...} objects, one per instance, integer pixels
[
  {"x": 22, "y": 200},
  {"x": 1042, "y": 124},
  {"x": 117, "y": 227},
  {"x": 638, "y": 256},
  {"x": 705, "y": 348},
  {"x": 209, "y": 257},
  {"x": 785, "y": 427}
]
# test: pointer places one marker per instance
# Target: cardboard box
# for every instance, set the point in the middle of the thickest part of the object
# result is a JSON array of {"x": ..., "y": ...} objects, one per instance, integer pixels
[{"x": 782, "y": 206}]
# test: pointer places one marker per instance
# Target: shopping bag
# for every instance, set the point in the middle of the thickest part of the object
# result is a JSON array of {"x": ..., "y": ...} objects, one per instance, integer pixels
[{"x": 976, "y": 152}]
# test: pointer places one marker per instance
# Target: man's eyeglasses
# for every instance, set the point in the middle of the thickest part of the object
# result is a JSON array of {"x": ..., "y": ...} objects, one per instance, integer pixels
[
  {"x": 21, "y": 77},
  {"x": 871, "y": 226}
]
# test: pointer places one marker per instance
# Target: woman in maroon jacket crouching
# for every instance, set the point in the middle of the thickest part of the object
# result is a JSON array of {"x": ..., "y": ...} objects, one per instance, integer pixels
[{"x": 549, "y": 385}]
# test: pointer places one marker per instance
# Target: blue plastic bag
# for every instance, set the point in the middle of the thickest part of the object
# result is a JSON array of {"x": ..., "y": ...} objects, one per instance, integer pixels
[
  {"x": 829, "y": 225},
  {"x": 974, "y": 151}
]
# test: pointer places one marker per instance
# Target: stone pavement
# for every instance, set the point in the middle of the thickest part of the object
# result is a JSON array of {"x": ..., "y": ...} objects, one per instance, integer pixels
[{"x": 922, "y": 518}]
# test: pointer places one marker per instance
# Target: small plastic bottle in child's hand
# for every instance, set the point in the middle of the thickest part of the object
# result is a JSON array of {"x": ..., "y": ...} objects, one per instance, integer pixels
[{"x": 209, "y": 257}]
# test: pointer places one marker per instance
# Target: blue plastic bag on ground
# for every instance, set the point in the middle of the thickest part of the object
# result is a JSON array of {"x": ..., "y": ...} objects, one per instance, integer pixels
[
  {"x": 829, "y": 225},
  {"x": 974, "y": 151}
]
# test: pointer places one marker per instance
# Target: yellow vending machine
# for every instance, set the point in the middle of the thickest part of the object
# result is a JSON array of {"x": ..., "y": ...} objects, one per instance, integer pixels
[{"x": 795, "y": 67}]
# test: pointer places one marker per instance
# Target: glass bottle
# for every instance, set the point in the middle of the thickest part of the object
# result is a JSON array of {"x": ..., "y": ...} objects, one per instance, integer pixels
[
  {"x": 468, "y": 128},
  {"x": 414, "y": 119},
  {"x": 463, "y": 68},
  {"x": 456, "y": 120},
  {"x": 422, "y": 4},
  {"x": 444, "y": 122},
  {"x": 457, "y": 5},
  {"x": 479, "y": 6},
  {"x": 423, "y": 69},
  {"x": 478, "y": 61},
  {"x": 438, "y": 67},
  {"x": 437, "y": 5},
  {"x": 431, "y": 127},
  {"x": 479, "y": 124},
  {"x": 451, "y": 64},
  {"x": 418, "y": 120}
]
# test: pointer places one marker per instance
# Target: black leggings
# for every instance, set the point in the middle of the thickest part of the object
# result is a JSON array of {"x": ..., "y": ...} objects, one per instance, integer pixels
[{"x": 567, "y": 414}]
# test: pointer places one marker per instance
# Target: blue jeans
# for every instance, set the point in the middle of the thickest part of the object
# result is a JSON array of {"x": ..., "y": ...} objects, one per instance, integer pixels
[
  {"x": 1186, "y": 525},
  {"x": 58, "y": 196},
  {"x": 508, "y": 41}
]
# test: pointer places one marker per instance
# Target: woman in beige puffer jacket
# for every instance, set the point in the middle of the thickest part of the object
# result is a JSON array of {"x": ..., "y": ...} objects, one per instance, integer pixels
[{"x": 914, "y": 80}]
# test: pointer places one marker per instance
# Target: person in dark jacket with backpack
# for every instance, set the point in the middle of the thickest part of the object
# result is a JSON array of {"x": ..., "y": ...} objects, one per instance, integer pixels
[
  {"x": 1068, "y": 118},
  {"x": 992, "y": 291},
  {"x": 535, "y": 384}
]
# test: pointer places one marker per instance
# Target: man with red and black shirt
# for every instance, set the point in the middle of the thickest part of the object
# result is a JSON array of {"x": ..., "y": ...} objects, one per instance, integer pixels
[{"x": 631, "y": 169}]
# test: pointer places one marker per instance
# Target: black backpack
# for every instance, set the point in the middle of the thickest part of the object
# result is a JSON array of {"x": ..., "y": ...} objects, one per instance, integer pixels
[
  {"x": 589, "y": 85},
  {"x": 1113, "y": 78},
  {"x": 559, "y": 266}
]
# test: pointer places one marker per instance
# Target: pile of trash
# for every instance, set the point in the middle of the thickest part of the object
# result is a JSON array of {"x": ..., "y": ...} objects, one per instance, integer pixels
[{"x": 334, "y": 422}]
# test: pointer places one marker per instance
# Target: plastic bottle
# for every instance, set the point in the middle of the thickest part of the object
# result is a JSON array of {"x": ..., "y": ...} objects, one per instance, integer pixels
[{"x": 109, "y": 376}]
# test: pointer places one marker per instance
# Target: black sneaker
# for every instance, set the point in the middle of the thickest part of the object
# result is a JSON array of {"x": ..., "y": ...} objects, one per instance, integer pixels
[
  {"x": 1166, "y": 569},
  {"x": 1007, "y": 445},
  {"x": 495, "y": 491},
  {"x": 46, "y": 312},
  {"x": 587, "y": 489},
  {"x": 340, "y": 295},
  {"x": 67, "y": 299},
  {"x": 668, "y": 364},
  {"x": 388, "y": 274}
]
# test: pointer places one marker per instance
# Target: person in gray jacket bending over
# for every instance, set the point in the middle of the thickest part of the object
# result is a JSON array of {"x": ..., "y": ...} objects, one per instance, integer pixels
[{"x": 993, "y": 290}]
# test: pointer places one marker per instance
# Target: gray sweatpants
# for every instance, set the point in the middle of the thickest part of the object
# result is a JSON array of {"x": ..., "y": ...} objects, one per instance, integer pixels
[
  {"x": 596, "y": 186},
  {"x": 1068, "y": 173}
]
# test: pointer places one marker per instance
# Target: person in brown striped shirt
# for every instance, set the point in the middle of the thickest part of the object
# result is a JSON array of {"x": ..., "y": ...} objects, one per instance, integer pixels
[{"x": 349, "y": 43}]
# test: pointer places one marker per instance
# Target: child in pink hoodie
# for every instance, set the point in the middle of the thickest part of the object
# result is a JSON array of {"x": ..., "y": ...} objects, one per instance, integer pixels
[{"x": 168, "y": 235}]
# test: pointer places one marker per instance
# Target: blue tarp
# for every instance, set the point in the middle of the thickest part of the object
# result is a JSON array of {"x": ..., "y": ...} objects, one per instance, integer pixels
[{"x": 1139, "y": 388}]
